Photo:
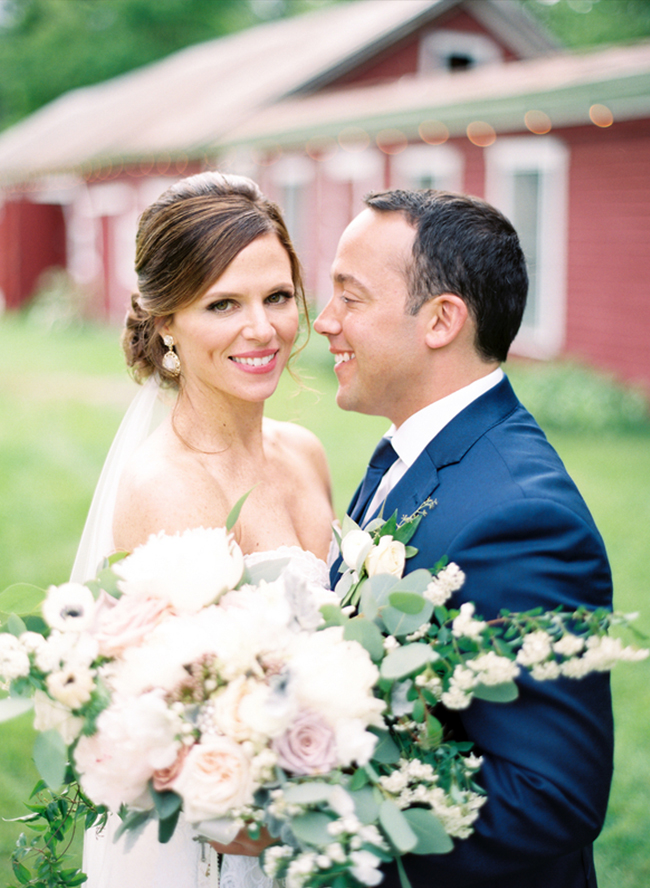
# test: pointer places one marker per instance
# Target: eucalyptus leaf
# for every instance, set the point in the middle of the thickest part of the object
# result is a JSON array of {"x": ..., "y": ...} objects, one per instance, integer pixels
[
  {"x": 502, "y": 693},
  {"x": 365, "y": 804},
  {"x": 405, "y": 660},
  {"x": 15, "y": 625},
  {"x": 166, "y": 803},
  {"x": 397, "y": 827},
  {"x": 399, "y": 623},
  {"x": 107, "y": 580},
  {"x": 333, "y": 615},
  {"x": 51, "y": 758},
  {"x": 167, "y": 826},
  {"x": 21, "y": 598},
  {"x": 406, "y": 530},
  {"x": 386, "y": 751},
  {"x": 12, "y": 707},
  {"x": 368, "y": 636},
  {"x": 348, "y": 525},
  {"x": 416, "y": 581},
  {"x": 269, "y": 571},
  {"x": 308, "y": 793},
  {"x": 233, "y": 515},
  {"x": 368, "y": 606},
  {"x": 407, "y": 602},
  {"x": 311, "y": 828},
  {"x": 358, "y": 779},
  {"x": 132, "y": 825},
  {"x": 431, "y": 835}
]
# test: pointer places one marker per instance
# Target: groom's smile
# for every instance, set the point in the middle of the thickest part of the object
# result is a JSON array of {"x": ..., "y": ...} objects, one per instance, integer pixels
[{"x": 377, "y": 347}]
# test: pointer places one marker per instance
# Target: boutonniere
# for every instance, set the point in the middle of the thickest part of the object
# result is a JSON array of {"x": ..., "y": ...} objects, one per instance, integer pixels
[{"x": 382, "y": 547}]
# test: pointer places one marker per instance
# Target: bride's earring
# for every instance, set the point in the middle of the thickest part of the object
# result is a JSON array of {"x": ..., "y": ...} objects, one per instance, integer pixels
[{"x": 170, "y": 359}]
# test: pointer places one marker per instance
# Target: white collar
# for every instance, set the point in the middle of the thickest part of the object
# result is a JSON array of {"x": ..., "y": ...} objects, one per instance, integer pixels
[{"x": 410, "y": 439}]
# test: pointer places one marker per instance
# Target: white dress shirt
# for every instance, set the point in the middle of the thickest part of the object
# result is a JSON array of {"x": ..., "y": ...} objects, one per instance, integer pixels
[{"x": 410, "y": 439}]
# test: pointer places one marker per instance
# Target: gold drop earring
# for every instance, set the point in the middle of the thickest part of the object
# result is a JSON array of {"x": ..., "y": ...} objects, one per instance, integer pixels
[{"x": 170, "y": 361}]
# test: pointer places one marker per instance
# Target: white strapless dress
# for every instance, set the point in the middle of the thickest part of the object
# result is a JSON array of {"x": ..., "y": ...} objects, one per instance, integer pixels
[{"x": 184, "y": 862}]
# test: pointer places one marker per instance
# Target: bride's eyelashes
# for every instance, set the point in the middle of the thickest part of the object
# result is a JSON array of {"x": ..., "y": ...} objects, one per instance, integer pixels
[{"x": 220, "y": 306}]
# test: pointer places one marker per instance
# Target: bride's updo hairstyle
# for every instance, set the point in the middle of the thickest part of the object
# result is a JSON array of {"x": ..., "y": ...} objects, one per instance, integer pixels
[{"x": 185, "y": 242}]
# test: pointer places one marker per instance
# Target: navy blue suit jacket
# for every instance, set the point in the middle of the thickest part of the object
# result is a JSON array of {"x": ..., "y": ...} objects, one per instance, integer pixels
[{"x": 508, "y": 514}]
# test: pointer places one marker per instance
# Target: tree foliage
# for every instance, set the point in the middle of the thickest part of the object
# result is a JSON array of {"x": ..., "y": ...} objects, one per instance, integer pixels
[
  {"x": 48, "y": 47},
  {"x": 588, "y": 23}
]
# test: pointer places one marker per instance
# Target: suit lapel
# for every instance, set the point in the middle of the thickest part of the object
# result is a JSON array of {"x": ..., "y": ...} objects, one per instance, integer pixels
[{"x": 449, "y": 447}]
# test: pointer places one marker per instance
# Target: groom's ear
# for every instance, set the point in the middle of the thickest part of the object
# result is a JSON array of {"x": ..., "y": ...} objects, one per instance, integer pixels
[{"x": 445, "y": 317}]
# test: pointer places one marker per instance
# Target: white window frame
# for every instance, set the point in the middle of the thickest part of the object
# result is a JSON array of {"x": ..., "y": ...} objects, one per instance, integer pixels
[
  {"x": 292, "y": 175},
  {"x": 438, "y": 46},
  {"x": 549, "y": 158},
  {"x": 443, "y": 163}
]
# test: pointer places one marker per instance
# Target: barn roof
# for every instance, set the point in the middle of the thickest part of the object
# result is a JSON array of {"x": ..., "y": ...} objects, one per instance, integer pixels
[
  {"x": 564, "y": 87},
  {"x": 191, "y": 100}
]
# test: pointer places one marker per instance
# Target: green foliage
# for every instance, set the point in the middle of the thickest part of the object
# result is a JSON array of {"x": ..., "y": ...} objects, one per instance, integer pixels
[
  {"x": 587, "y": 23},
  {"x": 48, "y": 47},
  {"x": 569, "y": 397},
  {"x": 44, "y": 860}
]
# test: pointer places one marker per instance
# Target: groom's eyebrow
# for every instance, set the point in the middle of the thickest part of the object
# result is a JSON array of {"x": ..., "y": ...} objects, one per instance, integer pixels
[{"x": 343, "y": 278}]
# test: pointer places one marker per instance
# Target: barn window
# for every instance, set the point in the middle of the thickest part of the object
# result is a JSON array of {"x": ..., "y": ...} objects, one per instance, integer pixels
[
  {"x": 292, "y": 176},
  {"x": 527, "y": 180},
  {"x": 456, "y": 50},
  {"x": 428, "y": 166}
]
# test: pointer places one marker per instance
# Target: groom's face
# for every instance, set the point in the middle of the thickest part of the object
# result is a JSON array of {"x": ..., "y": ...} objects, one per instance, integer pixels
[{"x": 378, "y": 348}]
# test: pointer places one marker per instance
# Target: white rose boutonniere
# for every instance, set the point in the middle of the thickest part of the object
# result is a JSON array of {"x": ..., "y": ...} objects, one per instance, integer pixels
[{"x": 387, "y": 557}]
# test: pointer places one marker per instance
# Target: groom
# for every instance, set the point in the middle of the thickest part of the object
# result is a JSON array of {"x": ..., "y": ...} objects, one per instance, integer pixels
[{"x": 429, "y": 291}]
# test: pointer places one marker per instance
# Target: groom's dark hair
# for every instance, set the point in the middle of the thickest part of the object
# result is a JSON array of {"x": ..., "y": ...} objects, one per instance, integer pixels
[{"x": 467, "y": 247}]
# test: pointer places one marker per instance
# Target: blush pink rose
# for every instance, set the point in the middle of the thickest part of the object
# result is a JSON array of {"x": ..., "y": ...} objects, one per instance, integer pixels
[
  {"x": 164, "y": 777},
  {"x": 215, "y": 778},
  {"x": 307, "y": 747},
  {"x": 124, "y": 622}
]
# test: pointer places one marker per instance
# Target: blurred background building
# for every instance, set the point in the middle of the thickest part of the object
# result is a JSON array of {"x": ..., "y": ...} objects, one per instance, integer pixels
[{"x": 464, "y": 95}]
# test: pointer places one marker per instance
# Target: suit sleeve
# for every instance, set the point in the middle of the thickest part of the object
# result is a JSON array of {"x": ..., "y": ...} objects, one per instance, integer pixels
[{"x": 547, "y": 757}]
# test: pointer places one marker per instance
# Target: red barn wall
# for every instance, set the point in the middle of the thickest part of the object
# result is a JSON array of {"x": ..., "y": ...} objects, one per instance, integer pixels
[
  {"x": 402, "y": 57},
  {"x": 608, "y": 321},
  {"x": 32, "y": 239}
]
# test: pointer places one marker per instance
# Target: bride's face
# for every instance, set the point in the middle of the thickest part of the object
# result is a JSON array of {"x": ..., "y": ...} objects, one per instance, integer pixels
[{"x": 238, "y": 336}]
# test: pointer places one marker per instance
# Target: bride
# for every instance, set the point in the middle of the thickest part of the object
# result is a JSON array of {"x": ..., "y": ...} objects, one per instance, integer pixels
[{"x": 215, "y": 320}]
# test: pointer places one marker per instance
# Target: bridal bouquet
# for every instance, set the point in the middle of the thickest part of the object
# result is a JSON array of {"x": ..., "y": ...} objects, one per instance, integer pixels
[{"x": 181, "y": 679}]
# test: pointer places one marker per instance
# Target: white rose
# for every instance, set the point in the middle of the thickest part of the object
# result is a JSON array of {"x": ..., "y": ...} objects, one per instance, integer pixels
[
  {"x": 188, "y": 570},
  {"x": 334, "y": 677},
  {"x": 354, "y": 548},
  {"x": 387, "y": 557},
  {"x": 69, "y": 608},
  {"x": 50, "y": 715},
  {"x": 216, "y": 777}
]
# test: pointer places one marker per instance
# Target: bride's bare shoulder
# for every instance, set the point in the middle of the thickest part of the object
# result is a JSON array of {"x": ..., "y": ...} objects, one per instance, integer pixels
[
  {"x": 299, "y": 445},
  {"x": 163, "y": 488}
]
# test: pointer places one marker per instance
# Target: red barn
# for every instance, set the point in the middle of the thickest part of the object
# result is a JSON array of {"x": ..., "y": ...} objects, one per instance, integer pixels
[{"x": 456, "y": 94}]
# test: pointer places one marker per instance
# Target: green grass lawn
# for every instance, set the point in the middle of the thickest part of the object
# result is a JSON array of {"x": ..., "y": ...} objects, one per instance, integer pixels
[{"x": 62, "y": 395}]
